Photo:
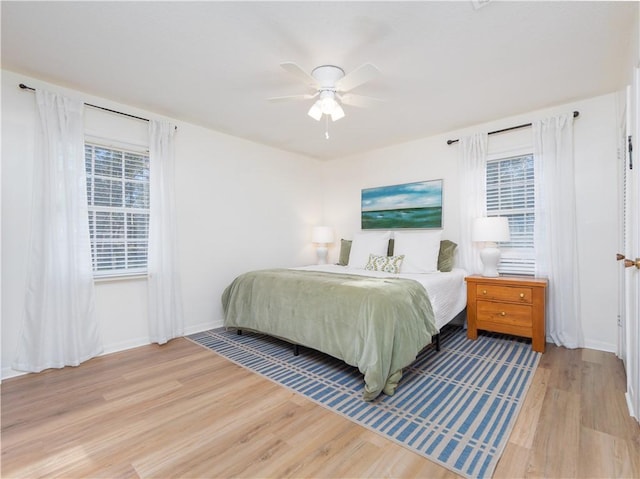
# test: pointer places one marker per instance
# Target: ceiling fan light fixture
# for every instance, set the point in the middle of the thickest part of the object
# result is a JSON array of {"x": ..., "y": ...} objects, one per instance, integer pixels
[
  {"x": 326, "y": 105},
  {"x": 331, "y": 83},
  {"x": 337, "y": 112},
  {"x": 315, "y": 111}
]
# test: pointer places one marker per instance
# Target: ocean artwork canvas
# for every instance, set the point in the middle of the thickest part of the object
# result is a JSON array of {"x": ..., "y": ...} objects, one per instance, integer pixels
[{"x": 410, "y": 205}]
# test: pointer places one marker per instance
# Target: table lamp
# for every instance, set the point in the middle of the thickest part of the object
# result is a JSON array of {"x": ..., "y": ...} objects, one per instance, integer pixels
[
  {"x": 322, "y": 235},
  {"x": 490, "y": 230}
]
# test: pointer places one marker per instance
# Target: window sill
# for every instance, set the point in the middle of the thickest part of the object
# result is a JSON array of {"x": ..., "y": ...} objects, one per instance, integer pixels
[{"x": 121, "y": 277}]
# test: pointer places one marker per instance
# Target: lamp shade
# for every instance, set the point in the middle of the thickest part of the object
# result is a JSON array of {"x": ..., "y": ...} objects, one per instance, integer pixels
[
  {"x": 315, "y": 111},
  {"x": 322, "y": 234},
  {"x": 337, "y": 112},
  {"x": 326, "y": 105},
  {"x": 492, "y": 229}
]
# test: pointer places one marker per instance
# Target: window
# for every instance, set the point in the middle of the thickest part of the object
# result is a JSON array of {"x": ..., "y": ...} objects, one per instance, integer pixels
[
  {"x": 118, "y": 200},
  {"x": 510, "y": 193}
]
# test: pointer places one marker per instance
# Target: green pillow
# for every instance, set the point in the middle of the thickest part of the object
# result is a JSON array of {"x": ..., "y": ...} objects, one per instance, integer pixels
[
  {"x": 446, "y": 255},
  {"x": 345, "y": 249}
]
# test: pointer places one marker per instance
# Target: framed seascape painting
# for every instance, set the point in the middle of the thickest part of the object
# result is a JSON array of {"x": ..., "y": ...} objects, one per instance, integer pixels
[{"x": 411, "y": 205}]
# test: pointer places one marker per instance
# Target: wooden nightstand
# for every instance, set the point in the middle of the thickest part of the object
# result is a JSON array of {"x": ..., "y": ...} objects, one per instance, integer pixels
[{"x": 507, "y": 304}]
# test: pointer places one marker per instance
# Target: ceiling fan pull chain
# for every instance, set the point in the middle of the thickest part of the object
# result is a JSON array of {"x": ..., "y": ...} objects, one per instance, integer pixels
[{"x": 326, "y": 127}]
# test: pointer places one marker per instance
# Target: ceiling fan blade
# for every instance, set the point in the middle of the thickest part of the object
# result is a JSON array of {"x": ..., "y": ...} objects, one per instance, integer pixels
[
  {"x": 359, "y": 100},
  {"x": 297, "y": 71},
  {"x": 292, "y": 97},
  {"x": 357, "y": 77}
]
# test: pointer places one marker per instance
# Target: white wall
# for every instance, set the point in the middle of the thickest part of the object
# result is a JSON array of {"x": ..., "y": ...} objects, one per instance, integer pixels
[
  {"x": 244, "y": 206},
  {"x": 240, "y": 206},
  {"x": 431, "y": 158}
]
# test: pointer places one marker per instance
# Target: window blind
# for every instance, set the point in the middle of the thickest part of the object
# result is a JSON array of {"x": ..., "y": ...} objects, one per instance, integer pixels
[
  {"x": 118, "y": 203},
  {"x": 510, "y": 193}
]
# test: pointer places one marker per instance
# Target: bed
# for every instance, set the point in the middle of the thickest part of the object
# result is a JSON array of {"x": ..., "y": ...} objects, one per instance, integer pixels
[{"x": 377, "y": 321}]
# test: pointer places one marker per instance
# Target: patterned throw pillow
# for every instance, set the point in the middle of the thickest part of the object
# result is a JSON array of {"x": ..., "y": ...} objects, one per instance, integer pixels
[{"x": 387, "y": 264}]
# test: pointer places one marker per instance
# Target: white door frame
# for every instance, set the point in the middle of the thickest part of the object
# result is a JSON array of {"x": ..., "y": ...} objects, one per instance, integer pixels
[
  {"x": 632, "y": 252},
  {"x": 624, "y": 131}
]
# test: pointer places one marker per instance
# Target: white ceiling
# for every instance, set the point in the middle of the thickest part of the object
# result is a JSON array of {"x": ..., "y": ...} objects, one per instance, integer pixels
[{"x": 444, "y": 65}]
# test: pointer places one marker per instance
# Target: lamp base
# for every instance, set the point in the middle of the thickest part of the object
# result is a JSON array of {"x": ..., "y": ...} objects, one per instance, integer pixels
[
  {"x": 322, "y": 254},
  {"x": 490, "y": 256}
]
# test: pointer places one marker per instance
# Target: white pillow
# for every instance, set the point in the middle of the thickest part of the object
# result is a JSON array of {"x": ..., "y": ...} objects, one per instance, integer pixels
[
  {"x": 420, "y": 251},
  {"x": 364, "y": 244}
]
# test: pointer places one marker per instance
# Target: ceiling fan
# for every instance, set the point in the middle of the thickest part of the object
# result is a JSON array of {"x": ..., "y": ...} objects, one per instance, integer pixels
[{"x": 332, "y": 87}]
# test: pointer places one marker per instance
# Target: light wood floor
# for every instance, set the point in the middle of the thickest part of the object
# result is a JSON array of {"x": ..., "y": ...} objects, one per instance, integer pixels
[{"x": 181, "y": 410}]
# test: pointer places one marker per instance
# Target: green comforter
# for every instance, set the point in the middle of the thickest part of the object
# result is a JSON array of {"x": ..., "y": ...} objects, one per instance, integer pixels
[{"x": 376, "y": 324}]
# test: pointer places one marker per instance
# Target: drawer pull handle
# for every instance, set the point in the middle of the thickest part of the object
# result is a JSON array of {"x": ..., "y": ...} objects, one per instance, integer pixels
[
  {"x": 522, "y": 295},
  {"x": 503, "y": 314},
  {"x": 484, "y": 291}
]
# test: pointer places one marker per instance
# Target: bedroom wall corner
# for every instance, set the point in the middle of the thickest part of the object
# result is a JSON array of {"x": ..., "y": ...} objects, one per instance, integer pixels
[{"x": 241, "y": 206}]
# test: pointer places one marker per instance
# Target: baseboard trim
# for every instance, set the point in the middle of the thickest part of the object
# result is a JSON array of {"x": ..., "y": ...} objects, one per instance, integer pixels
[
  {"x": 9, "y": 372},
  {"x": 632, "y": 412},
  {"x": 197, "y": 328},
  {"x": 601, "y": 346}
]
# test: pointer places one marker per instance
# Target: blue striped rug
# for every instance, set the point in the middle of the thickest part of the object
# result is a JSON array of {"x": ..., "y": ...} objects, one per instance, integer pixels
[{"x": 455, "y": 407}]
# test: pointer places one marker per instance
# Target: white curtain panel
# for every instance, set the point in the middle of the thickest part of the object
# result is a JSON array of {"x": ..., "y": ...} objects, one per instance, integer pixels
[
  {"x": 60, "y": 327},
  {"x": 555, "y": 228},
  {"x": 165, "y": 299},
  {"x": 472, "y": 167}
]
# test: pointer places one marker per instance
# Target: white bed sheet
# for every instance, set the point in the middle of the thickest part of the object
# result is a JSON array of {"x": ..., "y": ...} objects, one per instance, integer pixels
[{"x": 447, "y": 291}]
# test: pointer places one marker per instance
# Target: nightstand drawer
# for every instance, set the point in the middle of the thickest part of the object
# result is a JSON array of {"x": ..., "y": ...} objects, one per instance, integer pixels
[
  {"x": 512, "y": 294},
  {"x": 504, "y": 313},
  {"x": 504, "y": 318}
]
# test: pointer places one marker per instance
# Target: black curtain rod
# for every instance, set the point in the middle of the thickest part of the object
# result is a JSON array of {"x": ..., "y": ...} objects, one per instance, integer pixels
[
  {"x": 25, "y": 87},
  {"x": 576, "y": 114}
]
